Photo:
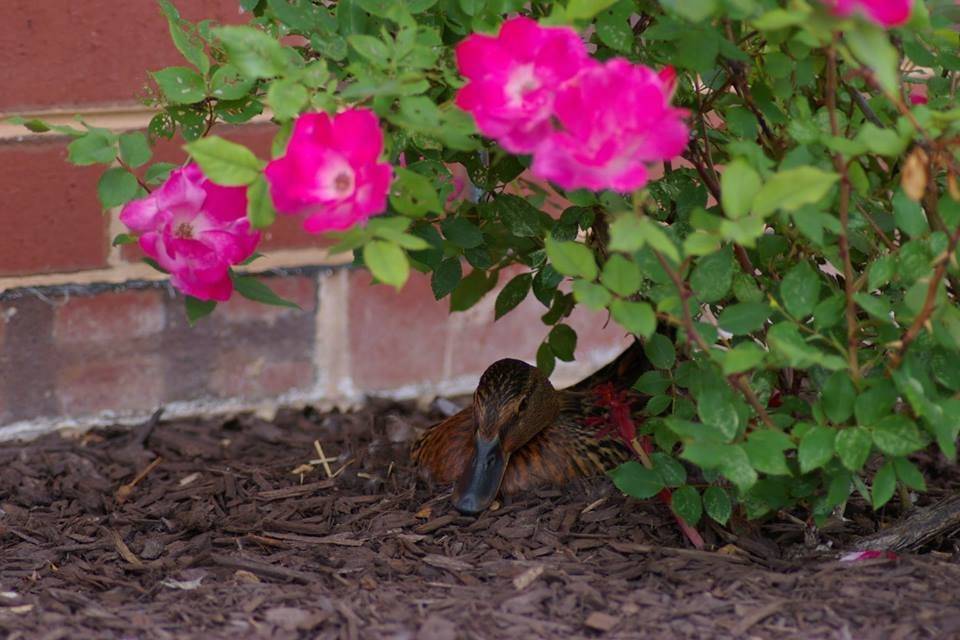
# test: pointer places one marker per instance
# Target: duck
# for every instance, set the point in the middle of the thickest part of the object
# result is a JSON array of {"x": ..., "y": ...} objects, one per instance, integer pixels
[{"x": 519, "y": 432}]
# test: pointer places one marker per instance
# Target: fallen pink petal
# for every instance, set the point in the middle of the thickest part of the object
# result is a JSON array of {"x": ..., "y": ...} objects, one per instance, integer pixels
[
  {"x": 196, "y": 230},
  {"x": 858, "y": 556}
]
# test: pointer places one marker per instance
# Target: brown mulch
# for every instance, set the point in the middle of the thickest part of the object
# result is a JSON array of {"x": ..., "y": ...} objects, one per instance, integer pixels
[{"x": 221, "y": 539}]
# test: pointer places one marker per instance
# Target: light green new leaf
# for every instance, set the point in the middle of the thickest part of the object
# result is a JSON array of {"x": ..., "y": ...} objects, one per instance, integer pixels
[
  {"x": 791, "y": 189},
  {"x": 853, "y": 447},
  {"x": 225, "y": 163},
  {"x": 739, "y": 185},
  {"x": 387, "y": 262},
  {"x": 572, "y": 258}
]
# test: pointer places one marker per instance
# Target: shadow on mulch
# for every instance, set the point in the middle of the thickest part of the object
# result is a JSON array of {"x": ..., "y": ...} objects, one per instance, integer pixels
[{"x": 236, "y": 533}]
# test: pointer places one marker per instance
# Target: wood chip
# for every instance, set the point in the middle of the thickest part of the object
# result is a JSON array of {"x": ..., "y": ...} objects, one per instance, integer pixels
[
  {"x": 601, "y": 621},
  {"x": 526, "y": 578},
  {"x": 340, "y": 539},
  {"x": 124, "y": 550},
  {"x": 443, "y": 562}
]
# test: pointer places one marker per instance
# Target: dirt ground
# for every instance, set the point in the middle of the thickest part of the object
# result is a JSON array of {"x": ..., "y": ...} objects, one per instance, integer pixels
[{"x": 234, "y": 533}]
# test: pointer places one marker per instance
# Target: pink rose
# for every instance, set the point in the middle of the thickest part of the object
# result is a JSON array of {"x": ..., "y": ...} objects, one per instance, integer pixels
[
  {"x": 613, "y": 119},
  {"x": 331, "y": 173},
  {"x": 514, "y": 77},
  {"x": 886, "y": 13},
  {"x": 195, "y": 230}
]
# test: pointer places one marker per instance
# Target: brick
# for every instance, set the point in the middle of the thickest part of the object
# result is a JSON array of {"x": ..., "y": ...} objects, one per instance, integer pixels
[
  {"x": 396, "y": 339},
  {"x": 114, "y": 317},
  {"x": 298, "y": 289},
  {"x": 27, "y": 361},
  {"x": 132, "y": 382},
  {"x": 54, "y": 219},
  {"x": 244, "y": 374},
  {"x": 110, "y": 47},
  {"x": 197, "y": 368}
]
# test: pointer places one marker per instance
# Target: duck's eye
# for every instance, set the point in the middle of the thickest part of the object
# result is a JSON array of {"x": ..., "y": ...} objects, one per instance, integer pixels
[{"x": 523, "y": 404}]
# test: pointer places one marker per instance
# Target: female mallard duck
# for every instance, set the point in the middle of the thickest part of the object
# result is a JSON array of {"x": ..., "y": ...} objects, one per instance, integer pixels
[{"x": 521, "y": 432}]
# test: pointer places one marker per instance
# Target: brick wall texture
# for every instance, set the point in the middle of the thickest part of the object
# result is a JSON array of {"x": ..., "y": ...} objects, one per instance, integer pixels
[{"x": 85, "y": 340}]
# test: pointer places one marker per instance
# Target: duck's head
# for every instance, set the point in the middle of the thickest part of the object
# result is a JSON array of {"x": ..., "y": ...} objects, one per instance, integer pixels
[{"x": 513, "y": 402}]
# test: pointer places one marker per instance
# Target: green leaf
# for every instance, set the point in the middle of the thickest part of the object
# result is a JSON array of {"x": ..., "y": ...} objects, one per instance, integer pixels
[
  {"x": 800, "y": 290},
  {"x": 260, "y": 210},
  {"x": 123, "y": 238},
  {"x": 897, "y": 435},
  {"x": 881, "y": 272},
  {"x": 816, "y": 448},
  {"x": 387, "y": 262},
  {"x": 196, "y": 308},
  {"x": 412, "y": 194},
  {"x": 909, "y": 474},
  {"x": 116, "y": 187},
  {"x": 461, "y": 232},
  {"x": 223, "y": 162},
  {"x": 875, "y": 403},
  {"x": 884, "y": 484},
  {"x": 853, "y": 447},
  {"x": 660, "y": 351},
  {"x": 871, "y": 45},
  {"x": 446, "y": 277},
  {"x": 287, "y": 98},
  {"x": 636, "y": 480},
  {"x": 571, "y": 258},
  {"x": 188, "y": 44},
  {"x": 254, "y": 289},
  {"x": 685, "y": 502},
  {"x": 621, "y": 275},
  {"x": 736, "y": 467},
  {"x": 909, "y": 215},
  {"x": 671, "y": 471},
  {"x": 712, "y": 277},
  {"x": 656, "y": 237},
  {"x": 253, "y": 52},
  {"x": 519, "y": 216},
  {"x": 765, "y": 449},
  {"x": 228, "y": 83},
  {"x": 586, "y": 9},
  {"x": 716, "y": 502},
  {"x": 471, "y": 289},
  {"x": 134, "y": 149},
  {"x": 636, "y": 317},
  {"x": 373, "y": 49},
  {"x": 838, "y": 396},
  {"x": 744, "y": 317},
  {"x": 593, "y": 296},
  {"x": 627, "y": 233},
  {"x": 743, "y": 357},
  {"x": 876, "y": 306},
  {"x": 739, "y": 185},
  {"x": 546, "y": 361},
  {"x": 791, "y": 189},
  {"x": 512, "y": 294},
  {"x": 97, "y": 146},
  {"x": 563, "y": 341},
  {"x": 181, "y": 85},
  {"x": 717, "y": 411}
]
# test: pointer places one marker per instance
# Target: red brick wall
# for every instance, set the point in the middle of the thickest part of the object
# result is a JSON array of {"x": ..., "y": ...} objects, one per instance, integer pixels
[{"x": 88, "y": 334}]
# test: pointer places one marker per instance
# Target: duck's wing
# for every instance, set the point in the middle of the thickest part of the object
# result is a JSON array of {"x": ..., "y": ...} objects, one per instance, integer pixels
[{"x": 443, "y": 450}]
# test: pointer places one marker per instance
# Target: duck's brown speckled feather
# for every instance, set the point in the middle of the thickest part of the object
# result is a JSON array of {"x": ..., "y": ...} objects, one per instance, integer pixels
[{"x": 565, "y": 450}]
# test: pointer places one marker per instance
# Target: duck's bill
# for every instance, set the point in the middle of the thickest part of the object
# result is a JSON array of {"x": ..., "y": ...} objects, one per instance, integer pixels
[{"x": 480, "y": 482}]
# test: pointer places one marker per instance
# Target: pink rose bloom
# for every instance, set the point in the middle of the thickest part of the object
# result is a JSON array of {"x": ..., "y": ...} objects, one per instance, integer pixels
[
  {"x": 195, "y": 230},
  {"x": 331, "y": 173},
  {"x": 918, "y": 94},
  {"x": 514, "y": 77},
  {"x": 613, "y": 120},
  {"x": 886, "y": 13}
]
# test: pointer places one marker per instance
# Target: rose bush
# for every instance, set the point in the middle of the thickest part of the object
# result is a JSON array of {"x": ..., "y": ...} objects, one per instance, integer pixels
[{"x": 778, "y": 180}]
